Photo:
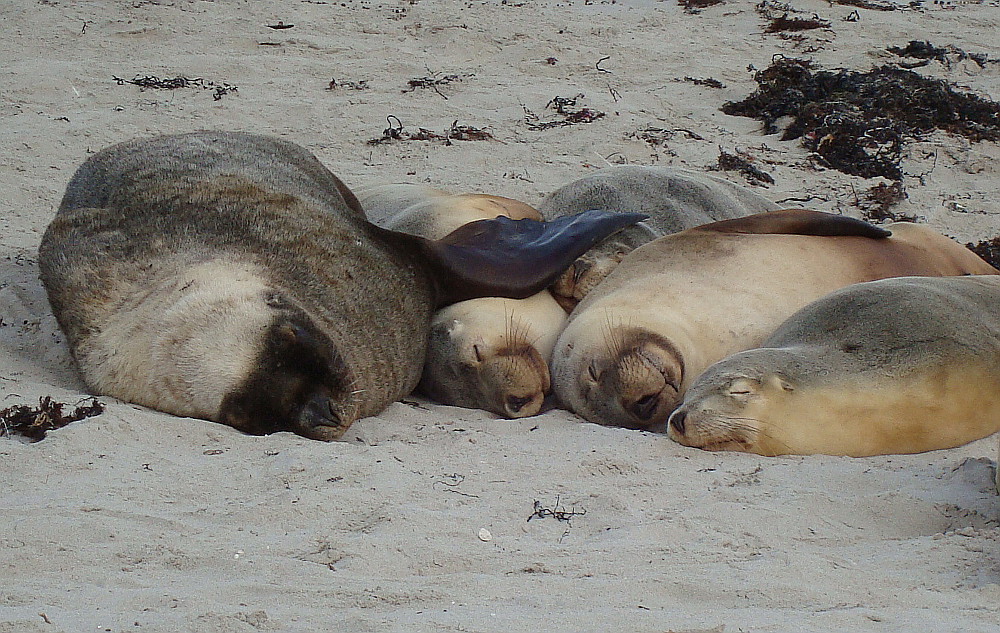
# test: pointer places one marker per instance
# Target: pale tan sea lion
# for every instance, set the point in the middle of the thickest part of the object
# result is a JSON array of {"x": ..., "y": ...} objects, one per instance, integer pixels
[
  {"x": 900, "y": 365},
  {"x": 433, "y": 213},
  {"x": 488, "y": 353},
  {"x": 674, "y": 199},
  {"x": 232, "y": 277},
  {"x": 678, "y": 304},
  {"x": 492, "y": 353}
]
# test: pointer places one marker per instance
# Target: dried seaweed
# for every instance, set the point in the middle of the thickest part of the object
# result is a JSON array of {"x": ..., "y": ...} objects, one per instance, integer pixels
[
  {"x": 989, "y": 250},
  {"x": 742, "y": 163},
  {"x": 858, "y": 122},
  {"x": 396, "y": 132},
  {"x": 541, "y": 512},
  {"x": 867, "y": 4},
  {"x": 694, "y": 6},
  {"x": 659, "y": 135},
  {"x": 433, "y": 82},
  {"x": 786, "y": 24},
  {"x": 34, "y": 423},
  {"x": 928, "y": 52},
  {"x": 468, "y": 133},
  {"x": 877, "y": 202},
  {"x": 349, "y": 85},
  {"x": 711, "y": 83},
  {"x": 151, "y": 82},
  {"x": 566, "y": 108}
]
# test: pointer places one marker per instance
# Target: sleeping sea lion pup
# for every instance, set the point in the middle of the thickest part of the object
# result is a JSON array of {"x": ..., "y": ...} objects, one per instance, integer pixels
[
  {"x": 899, "y": 365},
  {"x": 488, "y": 353},
  {"x": 232, "y": 277},
  {"x": 684, "y": 301},
  {"x": 674, "y": 199},
  {"x": 492, "y": 353}
]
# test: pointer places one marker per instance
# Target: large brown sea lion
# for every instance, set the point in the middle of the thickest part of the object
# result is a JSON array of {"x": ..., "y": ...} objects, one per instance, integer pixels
[
  {"x": 899, "y": 365},
  {"x": 678, "y": 304},
  {"x": 232, "y": 277}
]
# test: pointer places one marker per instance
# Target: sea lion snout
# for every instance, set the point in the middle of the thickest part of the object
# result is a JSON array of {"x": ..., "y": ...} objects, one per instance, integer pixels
[
  {"x": 648, "y": 379},
  {"x": 521, "y": 375},
  {"x": 318, "y": 420},
  {"x": 517, "y": 406},
  {"x": 299, "y": 383}
]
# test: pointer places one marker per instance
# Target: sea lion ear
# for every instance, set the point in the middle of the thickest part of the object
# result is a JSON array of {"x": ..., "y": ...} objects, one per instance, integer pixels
[
  {"x": 515, "y": 258},
  {"x": 797, "y": 222}
]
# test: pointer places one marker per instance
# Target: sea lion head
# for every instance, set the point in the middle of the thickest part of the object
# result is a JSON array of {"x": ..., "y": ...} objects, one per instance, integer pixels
[
  {"x": 731, "y": 405},
  {"x": 631, "y": 378},
  {"x": 593, "y": 266},
  {"x": 298, "y": 382},
  {"x": 476, "y": 363}
]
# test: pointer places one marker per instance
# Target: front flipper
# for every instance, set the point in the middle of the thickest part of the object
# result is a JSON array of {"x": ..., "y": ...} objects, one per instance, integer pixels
[
  {"x": 514, "y": 258},
  {"x": 797, "y": 222}
]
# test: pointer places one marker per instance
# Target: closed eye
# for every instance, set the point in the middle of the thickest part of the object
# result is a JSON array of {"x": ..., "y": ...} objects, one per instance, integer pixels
[{"x": 592, "y": 371}]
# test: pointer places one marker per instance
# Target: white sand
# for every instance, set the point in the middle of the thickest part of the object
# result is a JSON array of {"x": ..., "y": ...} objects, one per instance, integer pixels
[{"x": 140, "y": 521}]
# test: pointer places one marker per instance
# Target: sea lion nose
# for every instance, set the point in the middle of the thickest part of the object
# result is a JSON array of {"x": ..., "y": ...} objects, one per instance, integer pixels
[
  {"x": 317, "y": 420},
  {"x": 677, "y": 421},
  {"x": 645, "y": 407},
  {"x": 516, "y": 403}
]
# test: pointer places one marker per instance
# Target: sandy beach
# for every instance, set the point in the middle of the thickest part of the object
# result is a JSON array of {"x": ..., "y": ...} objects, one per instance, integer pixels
[{"x": 430, "y": 518}]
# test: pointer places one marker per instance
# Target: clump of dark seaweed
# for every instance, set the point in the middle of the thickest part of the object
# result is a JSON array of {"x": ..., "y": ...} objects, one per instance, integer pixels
[
  {"x": 396, "y": 132},
  {"x": 870, "y": 4},
  {"x": 567, "y": 111},
  {"x": 876, "y": 203},
  {"x": 927, "y": 52},
  {"x": 152, "y": 82},
  {"x": 35, "y": 422},
  {"x": 695, "y": 6},
  {"x": 743, "y": 163},
  {"x": 989, "y": 250},
  {"x": 857, "y": 122}
]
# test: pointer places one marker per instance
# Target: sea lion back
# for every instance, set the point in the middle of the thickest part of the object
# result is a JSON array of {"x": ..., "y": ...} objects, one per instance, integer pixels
[{"x": 674, "y": 199}]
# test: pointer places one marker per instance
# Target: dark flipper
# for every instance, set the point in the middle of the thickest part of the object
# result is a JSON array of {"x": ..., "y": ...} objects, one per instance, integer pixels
[
  {"x": 797, "y": 222},
  {"x": 513, "y": 258}
]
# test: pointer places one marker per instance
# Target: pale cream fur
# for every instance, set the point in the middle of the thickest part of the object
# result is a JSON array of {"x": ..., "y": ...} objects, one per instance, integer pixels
[
  {"x": 947, "y": 407},
  {"x": 485, "y": 333},
  {"x": 487, "y": 321},
  {"x": 182, "y": 344}
]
